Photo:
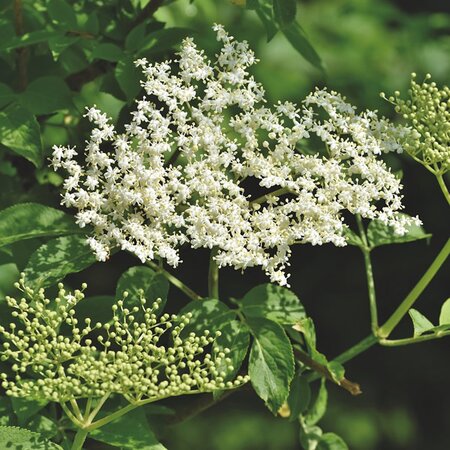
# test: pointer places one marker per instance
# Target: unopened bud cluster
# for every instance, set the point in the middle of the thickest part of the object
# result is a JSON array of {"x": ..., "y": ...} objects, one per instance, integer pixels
[
  {"x": 214, "y": 116},
  {"x": 427, "y": 111},
  {"x": 137, "y": 354}
]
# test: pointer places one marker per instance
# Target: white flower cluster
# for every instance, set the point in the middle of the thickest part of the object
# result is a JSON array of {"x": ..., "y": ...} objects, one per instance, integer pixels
[
  {"x": 138, "y": 355},
  {"x": 175, "y": 174}
]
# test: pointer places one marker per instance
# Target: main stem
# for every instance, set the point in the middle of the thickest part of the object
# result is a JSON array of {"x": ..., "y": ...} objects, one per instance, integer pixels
[
  {"x": 369, "y": 276},
  {"x": 213, "y": 276},
  {"x": 80, "y": 437},
  {"x": 443, "y": 187},
  {"x": 408, "y": 302}
]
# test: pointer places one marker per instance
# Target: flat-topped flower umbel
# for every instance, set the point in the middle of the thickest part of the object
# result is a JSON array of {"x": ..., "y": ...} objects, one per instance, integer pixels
[{"x": 174, "y": 175}]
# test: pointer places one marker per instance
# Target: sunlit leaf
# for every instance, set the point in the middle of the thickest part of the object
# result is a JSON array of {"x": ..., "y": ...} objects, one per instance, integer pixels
[
  {"x": 444, "y": 317},
  {"x": 271, "y": 364},
  {"x": 273, "y": 302},
  {"x": 57, "y": 258},
  {"x": 32, "y": 220},
  {"x": 20, "y": 132},
  {"x": 15, "y": 438},
  {"x": 420, "y": 322}
]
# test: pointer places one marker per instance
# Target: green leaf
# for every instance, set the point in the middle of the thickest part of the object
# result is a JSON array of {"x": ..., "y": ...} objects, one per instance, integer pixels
[
  {"x": 20, "y": 132},
  {"x": 128, "y": 76},
  {"x": 297, "y": 37},
  {"x": 108, "y": 52},
  {"x": 135, "y": 38},
  {"x": 153, "y": 285},
  {"x": 380, "y": 234},
  {"x": 131, "y": 432},
  {"x": 57, "y": 258},
  {"x": 235, "y": 336},
  {"x": 25, "y": 409},
  {"x": 163, "y": 40},
  {"x": 59, "y": 44},
  {"x": 14, "y": 438},
  {"x": 44, "y": 426},
  {"x": 284, "y": 11},
  {"x": 444, "y": 316},
  {"x": 46, "y": 95},
  {"x": 319, "y": 407},
  {"x": 6, "y": 413},
  {"x": 331, "y": 441},
  {"x": 299, "y": 396},
  {"x": 98, "y": 308},
  {"x": 7, "y": 95},
  {"x": 35, "y": 37},
  {"x": 309, "y": 435},
  {"x": 273, "y": 302},
  {"x": 352, "y": 238},
  {"x": 264, "y": 10},
  {"x": 213, "y": 315},
  {"x": 420, "y": 322},
  {"x": 271, "y": 364},
  {"x": 62, "y": 14},
  {"x": 209, "y": 314},
  {"x": 32, "y": 220}
]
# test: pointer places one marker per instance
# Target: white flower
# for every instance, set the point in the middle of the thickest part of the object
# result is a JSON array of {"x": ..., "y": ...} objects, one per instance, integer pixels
[{"x": 212, "y": 122}]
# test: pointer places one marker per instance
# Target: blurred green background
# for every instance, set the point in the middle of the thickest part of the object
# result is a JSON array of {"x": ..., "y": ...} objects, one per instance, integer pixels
[{"x": 367, "y": 46}]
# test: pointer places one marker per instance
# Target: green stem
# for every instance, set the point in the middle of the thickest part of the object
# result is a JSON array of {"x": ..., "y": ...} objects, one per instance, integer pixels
[
  {"x": 357, "y": 349},
  {"x": 175, "y": 281},
  {"x": 351, "y": 353},
  {"x": 70, "y": 415},
  {"x": 413, "y": 340},
  {"x": 80, "y": 437},
  {"x": 276, "y": 193},
  {"x": 369, "y": 276},
  {"x": 408, "y": 302},
  {"x": 115, "y": 415},
  {"x": 443, "y": 187},
  {"x": 213, "y": 276}
]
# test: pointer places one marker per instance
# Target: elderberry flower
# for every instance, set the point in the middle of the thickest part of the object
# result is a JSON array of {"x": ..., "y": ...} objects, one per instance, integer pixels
[
  {"x": 138, "y": 355},
  {"x": 175, "y": 174}
]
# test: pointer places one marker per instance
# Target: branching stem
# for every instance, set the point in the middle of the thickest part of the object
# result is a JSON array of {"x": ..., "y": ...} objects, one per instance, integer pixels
[
  {"x": 409, "y": 300},
  {"x": 175, "y": 281}
]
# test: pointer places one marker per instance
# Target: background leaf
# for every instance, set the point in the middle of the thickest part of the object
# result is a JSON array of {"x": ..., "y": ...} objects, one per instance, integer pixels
[
  {"x": 32, "y": 220},
  {"x": 20, "y": 132},
  {"x": 46, "y": 95},
  {"x": 273, "y": 302},
  {"x": 271, "y": 364},
  {"x": 15, "y": 438},
  {"x": 297, "y": 37},
  {"x": 131, "y": 432},
  {"x": 108, "y": 52},
  {"x": 284, "y": 11},
  {"x": 319, "y": 406},
  {"x": 380, "y": 234},
  {"x": 331, "y": 441},
  {"x": 25, "y": 409},
  {"x": 57, "y": 258},
  {"x": 136, "y": 278}
]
